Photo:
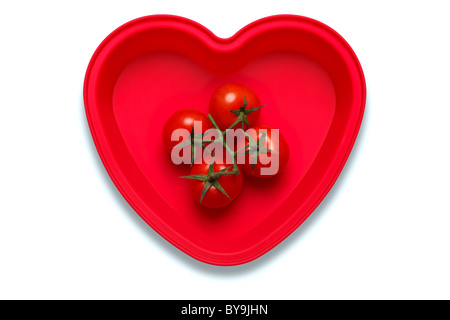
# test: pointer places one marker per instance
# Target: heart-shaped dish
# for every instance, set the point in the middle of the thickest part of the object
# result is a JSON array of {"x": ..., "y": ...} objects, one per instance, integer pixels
[{"x": 306, "y": 75}]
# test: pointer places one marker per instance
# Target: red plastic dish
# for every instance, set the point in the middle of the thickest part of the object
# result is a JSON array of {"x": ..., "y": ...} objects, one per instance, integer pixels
[{"x": 305, "y": 74}]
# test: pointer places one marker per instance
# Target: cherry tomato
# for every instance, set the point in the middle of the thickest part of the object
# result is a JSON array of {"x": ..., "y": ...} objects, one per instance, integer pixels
[
  {"x": 183, "y": 119},
  {"x": 234, "y": 104},
  {"x": 267, "y": 153},
  {"x": 211, "y": 191}
]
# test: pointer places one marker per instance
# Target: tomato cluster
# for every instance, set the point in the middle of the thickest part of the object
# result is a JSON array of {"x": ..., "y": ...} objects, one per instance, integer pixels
[{"x": 222, "y": 145}]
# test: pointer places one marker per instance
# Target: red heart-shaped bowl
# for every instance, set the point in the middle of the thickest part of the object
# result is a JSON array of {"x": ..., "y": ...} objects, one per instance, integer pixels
[{"x": 305, "y": 74}]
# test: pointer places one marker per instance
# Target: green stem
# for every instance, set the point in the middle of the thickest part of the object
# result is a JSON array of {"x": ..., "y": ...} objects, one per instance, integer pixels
[
  {"x": 214, "y": 123},
  {"x": 238, "y": 120},
  {"x": 230, "y": 152}
]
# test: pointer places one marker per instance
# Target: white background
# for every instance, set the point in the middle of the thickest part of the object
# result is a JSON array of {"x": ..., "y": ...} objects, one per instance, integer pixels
[{"x": 383, "y": 232}]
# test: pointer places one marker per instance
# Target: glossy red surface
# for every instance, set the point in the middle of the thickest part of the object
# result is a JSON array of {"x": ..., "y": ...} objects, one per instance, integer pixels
[{"x": 305, "y": 74}]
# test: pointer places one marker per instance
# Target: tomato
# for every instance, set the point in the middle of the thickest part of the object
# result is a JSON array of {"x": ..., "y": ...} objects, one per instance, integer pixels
[
  {"x": 234, "y": 104},
  {"x": 183, "y": 119},
  {"x": 267, "y": 154},
  {"x": 211, "y": 189}
]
